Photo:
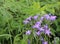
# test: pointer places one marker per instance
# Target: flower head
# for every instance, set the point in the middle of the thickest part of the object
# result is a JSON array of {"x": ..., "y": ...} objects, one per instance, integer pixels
[
  {"x": 25, "y": 22},
  {"x": 41, "y": 29},
  {"x": 38, "y": 33},
  {"x": 29, "y": 18},
  {"x": 42, "y": 18},
  {"x": 47, "y": 16},
  {"x": 48, "y": 32},
  {"x": 52, "y": 18},
  {"x": 45, "y": 42},
  {"x": 36, "y": 26},
  {"x": 46, "y": 26},
  {"x": 38, "y": 23},
  {"x": 35, "y": 17},
  {"x": 28, "y": 32}
]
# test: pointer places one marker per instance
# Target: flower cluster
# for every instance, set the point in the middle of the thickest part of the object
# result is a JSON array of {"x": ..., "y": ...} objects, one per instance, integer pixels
[
  {"x": 38, "y": 25},
  {"x": 50, "y": 17}
]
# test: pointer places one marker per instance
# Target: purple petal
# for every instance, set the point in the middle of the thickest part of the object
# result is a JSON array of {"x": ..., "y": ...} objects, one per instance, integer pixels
[
  {"x": 36, "y": 26},
  {"x": 35, "y": 17},
  {"x": 45, "y": 42},
  {"x": 28, "y": 32},
  {"x": 47, "y": 16},
  {"x": 46, "y": 26},
  {"x": 38, "y": 23},
  {"x": 42, "y": 18},
  {"x": 52, "y": 18},
  {"x": 25, "y": 22},
  {"x": 38, "y": 33},
  {"x": 48, "y": 32},
  {"x": 41, "y": 29},
  {"x": 29, "y": 18}
]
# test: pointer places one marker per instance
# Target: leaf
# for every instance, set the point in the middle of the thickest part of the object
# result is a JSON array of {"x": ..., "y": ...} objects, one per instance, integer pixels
[
  {"x": 16, "y": 39},
  {"x": 7, "y": 36},
  {"x": 24, "y": 40}
]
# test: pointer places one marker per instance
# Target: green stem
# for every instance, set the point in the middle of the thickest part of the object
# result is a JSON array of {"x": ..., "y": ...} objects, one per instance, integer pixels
[{"x": 9, "y": 33}]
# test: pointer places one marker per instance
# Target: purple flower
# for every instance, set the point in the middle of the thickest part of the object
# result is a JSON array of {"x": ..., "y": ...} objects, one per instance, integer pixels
[
  {"x": 47, "y": 16},
  {"x": 52, "y": 18},
  {"x": 46, "y": 26},
  {"x": 29, "y": 18},
  {"x": 41, "y": 29},
  {"x": 38, "y": 33},
  {"x": 35, "y": 17},
  {"x": 28, "y": 41},
  {"x": 45, "y": 42},
  {"x": 25, "y": 22},
  {"x": 38, "y": 23},
  {"x": 48, "y": 32},
  {"x": 28, "y": 32},
  {"x": 42, "y": 18},
  {"x": 36, "y": 26}
]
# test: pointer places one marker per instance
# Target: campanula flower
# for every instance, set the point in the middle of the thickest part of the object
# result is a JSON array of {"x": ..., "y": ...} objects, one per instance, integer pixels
[
  {"x": 45, "y": 42},
  {"x": 25, "y": 21},
  {"x": 35, "y": 17},
  {"x": 36, "y": 26},
  {"x": 38, "y": 33},
  {"x": 46, "y": 26},
  {"x": 47, "y": 31},
  {"x": 42, "y": 18},
  {"x": 41, "y": 29},
  {"x": 52, "y": 18},
  {"x": 47, "y": 16},
  {"x": 28, "y": 32},
  {"x": 29, "y": 18},
  {"x": 38, "y": 23}
]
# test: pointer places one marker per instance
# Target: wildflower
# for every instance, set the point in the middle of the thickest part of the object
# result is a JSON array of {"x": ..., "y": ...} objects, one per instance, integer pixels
[
  {"x": 28, "y": 32},
  {"x": 29, "y": 18},
  {"x": 47, "y": 16},
  {"x": 46, "y": 26},
  {"x": 25, "y": 22},
  {"x": 41, "y": 29},
  {"x": 41, "y": 18},
  {"x": 36, "y": 26},
  {"x": 52, "y": 18},
  {"x": 45, "y": 42},
  {"x": 35, "y": 17},
  {"x": 38, "y": 33},
  {"x": 38, "y": 23},
  {"x": 48, "y": 32}
]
